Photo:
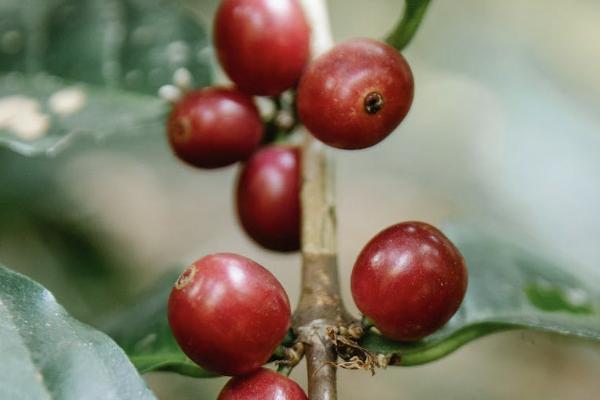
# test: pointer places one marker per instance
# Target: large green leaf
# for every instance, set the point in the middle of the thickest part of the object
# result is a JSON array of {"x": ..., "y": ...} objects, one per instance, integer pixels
[
  {"x": 509, "y": 288},
  {"x": 73, "y": 66},
  {"x": 47, "y": 354},
  {"x": 143, "y": 331}
]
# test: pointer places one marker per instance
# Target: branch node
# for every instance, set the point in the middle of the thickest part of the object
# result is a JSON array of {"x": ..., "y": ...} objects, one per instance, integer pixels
[{"x": 354, "y": 356}]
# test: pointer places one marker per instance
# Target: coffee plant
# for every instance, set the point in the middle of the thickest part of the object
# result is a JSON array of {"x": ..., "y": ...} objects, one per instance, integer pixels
[{"x": 75, "y": 70}]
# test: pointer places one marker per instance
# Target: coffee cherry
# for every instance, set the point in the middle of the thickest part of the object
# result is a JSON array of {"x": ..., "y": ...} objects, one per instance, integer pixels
[
  {"x": 263, "y": 384},
  {"x": 214, "y": 127},
  {"x": 409, "y": 280},
  {"x": 356, "y": 94},
  {"x": 228, "y": 313},
  {"x": 263, "y": 45},
  {"x": 268, "y": 198}
]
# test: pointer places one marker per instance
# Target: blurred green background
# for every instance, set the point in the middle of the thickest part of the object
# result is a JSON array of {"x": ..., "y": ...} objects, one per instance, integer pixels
[{"x": 504, "y": 134}]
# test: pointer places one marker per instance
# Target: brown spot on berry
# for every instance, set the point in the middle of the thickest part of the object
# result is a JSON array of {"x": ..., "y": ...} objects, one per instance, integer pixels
[
  {"x": 186, "y": 277},
  {"x": 181, "y": 129}
]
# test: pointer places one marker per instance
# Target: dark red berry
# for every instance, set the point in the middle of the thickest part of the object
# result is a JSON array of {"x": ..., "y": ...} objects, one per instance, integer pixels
[
  {"x": 214, "y": 127},
  {"x": 356, "y": 94},
  {"x": 409, "y": 280},
  {"x": 263, "y": 384},
  {"x": 263, "y": 45},
  {"x": 228, "y": 313},
  {"x": 268, "y": 198}
]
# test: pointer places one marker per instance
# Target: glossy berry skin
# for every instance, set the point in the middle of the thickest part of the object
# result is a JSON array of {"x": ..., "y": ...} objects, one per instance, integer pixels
[
  {"x": 263, "y": 384},
  {"x": 263, "y": 45},
  {"x": 268, "y": 198},
  {"x": 228, "y": 313},
  {"x": 409, "y": 280},
  {"x": 356, "y": 94},
  {"x": 214, "y": 127}
]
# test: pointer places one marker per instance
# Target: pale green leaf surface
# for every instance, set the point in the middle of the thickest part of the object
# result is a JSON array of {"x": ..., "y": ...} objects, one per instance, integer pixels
[{"x": 47, "y": 354}]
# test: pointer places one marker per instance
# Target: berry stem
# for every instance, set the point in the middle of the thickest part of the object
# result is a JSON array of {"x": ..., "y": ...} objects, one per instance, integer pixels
[
  {"x": 404, "y": 31},
  {"x": 320, "y": 305}
]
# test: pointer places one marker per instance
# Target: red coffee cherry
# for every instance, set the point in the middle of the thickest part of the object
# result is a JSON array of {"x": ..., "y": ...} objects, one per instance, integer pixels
[
  {"x": 263, "y": 45},
  {"x": 228, "y": 313},
  {"x": 409, "y": 280},
  {"x": 214, "y": 127},
  {"x": 263, "y": 384},
  {"x": 268, "y": 198},
  {"x": 356, "y": 94}
]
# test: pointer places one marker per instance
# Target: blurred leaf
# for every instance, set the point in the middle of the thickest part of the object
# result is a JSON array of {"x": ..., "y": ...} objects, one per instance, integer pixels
[
  {"x": 105, "y": 112},
  {"x": 509, "y": 288},
  {"x": 47, "y": 354},
  {"x": 143, "y": 331},
  {"x": 78, "y": 266},
  {"x": 73, "y": 66},
  {"x": 405, "y": 30}
]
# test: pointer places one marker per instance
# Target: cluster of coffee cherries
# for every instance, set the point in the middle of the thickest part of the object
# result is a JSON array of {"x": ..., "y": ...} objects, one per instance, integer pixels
[
  {"x": 227, "y": 312},
  {"x": 352, "y": 97}
]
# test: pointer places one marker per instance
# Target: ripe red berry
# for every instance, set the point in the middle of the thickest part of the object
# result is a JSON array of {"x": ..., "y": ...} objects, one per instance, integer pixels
[
  {"x": 228, "y": 313},
  {"x": 268, "y": 198},
  {"x": 263, "y": 45},
  {"x": 263, "y": 384},
  {"x": 356, "y": 94},
  {"x": 214, "y": 127},
  {"x": 409, "y": 280}
]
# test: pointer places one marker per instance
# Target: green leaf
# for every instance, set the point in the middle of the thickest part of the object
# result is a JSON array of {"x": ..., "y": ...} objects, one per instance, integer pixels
[
  {"x": 47, "y": 354},
  {"x": 405, "y": 30},
  {"x": 74, "y": 66},
  {"x": 105, "y": 112},
  {"x": 143, "y": 331},
  {"x": 509, "y": 288}
]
